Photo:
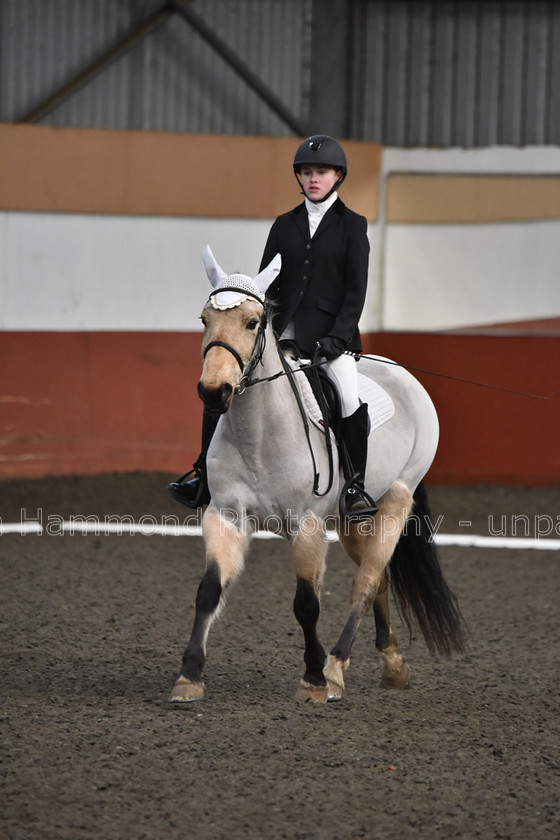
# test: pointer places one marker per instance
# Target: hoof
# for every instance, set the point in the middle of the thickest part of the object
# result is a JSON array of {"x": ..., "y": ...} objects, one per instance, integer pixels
[
  {"x": 185, "y": 691},
  {"x": 308, "y": 693},
  {"x": 334, "y": 673},
  {"x": 397, "y": 680},
  {"x": 334, "y": 691}
]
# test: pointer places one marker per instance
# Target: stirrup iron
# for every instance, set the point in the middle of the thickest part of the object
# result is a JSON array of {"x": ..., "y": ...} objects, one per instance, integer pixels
[{"x": 355, "y": 503}]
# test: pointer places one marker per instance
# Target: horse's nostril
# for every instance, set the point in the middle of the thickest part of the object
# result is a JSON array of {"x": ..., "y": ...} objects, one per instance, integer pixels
[{"x": 216, "y": 399}]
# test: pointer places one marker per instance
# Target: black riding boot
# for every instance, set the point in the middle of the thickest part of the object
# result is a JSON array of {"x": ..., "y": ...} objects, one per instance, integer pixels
[
  {"x": 194, "y": 493},
  {"x": 355, "y": 503}
]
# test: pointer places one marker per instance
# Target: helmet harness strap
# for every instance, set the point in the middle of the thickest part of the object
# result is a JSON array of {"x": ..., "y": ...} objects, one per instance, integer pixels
[{"x": 327, "y": 195}]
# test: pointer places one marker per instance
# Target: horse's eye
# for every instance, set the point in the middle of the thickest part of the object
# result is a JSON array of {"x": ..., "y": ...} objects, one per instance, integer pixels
[
  {"x": 252, "y": 324},
  {"x": 204, "y": 321}
]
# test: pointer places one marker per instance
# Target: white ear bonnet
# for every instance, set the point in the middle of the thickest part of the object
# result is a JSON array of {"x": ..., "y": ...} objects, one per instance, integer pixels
[{"x": 232, "y": 289}]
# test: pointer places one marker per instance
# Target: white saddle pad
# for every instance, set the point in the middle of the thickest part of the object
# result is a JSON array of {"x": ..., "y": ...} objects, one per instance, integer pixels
[{"x": 380, "y": 405}]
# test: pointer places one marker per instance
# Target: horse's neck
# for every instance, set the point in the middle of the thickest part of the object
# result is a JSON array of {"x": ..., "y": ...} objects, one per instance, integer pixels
[
  {"x": 264, "y": 427},
  {"x": 264, "y": 401}
]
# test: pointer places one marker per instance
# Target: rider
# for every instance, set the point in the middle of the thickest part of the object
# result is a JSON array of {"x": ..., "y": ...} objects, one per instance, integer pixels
[{"x": 319, "y": 296}]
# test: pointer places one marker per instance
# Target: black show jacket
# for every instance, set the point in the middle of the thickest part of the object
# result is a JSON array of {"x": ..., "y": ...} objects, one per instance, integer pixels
[{"x": 322, "y": 282}]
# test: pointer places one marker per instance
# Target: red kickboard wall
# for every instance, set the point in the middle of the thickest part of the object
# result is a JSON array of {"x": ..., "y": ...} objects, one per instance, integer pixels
[
  {"x": 491, "y": 429},
  {"x": 92, "y": 402}
]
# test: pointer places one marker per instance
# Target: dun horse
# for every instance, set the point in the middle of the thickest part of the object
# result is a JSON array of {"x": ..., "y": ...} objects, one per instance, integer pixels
[{"x": 264, "y": 463}]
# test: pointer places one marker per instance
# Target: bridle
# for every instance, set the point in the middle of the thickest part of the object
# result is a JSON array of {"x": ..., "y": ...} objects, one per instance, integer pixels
[{"x": 255, "y": 358}]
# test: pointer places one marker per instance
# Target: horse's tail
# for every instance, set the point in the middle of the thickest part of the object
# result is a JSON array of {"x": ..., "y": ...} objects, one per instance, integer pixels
[{"x": 422, "y": 595}]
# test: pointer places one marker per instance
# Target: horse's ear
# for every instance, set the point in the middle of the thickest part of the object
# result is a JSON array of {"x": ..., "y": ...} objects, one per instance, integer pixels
[
  {"x": 263, "y": 280},
  {"x": 213, "y": 270}
]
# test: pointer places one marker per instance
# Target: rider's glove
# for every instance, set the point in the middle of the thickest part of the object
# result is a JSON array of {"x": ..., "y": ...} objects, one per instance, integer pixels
[{"x": 331, "y": 347}]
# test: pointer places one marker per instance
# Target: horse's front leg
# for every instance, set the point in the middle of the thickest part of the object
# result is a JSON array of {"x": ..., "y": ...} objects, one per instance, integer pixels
[
  {"x": 225, "y": 554},
  {"x": 309, "y": 550},
  {"x": 370, "y": 544}
]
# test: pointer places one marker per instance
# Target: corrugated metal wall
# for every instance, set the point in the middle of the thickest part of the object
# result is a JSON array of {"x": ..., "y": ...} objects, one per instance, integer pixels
[
  {"x": 172, "y": 80},
  {"x": 420, "y": 73},
  {"x": 459, "y": 74}
]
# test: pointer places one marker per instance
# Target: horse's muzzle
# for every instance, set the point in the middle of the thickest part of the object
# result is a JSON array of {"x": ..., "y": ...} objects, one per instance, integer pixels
[{"x": 217, "y": 400}]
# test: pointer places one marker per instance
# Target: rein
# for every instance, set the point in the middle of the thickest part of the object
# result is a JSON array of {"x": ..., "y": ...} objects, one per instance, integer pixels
[
  {"x": 461, "y": 379},
  {"x": 421, "y": 370}
]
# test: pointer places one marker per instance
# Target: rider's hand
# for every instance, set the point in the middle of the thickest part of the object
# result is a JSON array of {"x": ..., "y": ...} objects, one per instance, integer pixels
[{"x": 331, "y": 347}]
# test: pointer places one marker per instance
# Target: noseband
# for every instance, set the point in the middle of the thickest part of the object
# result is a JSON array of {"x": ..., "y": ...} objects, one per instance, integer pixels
[{"x": 231, "y": 349}]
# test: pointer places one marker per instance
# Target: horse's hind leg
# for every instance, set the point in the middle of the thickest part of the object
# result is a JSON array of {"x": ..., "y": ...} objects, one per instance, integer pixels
[
  {"x": 225, "y": 552},
  {"x": 370, "y": 544},
  {"x": 394, "y": 673},
  {"x": 309, "y": 551}
]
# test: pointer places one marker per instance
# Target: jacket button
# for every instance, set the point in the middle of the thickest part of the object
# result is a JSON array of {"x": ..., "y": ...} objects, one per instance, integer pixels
[
  {"x": 306, "y": 262},
  {"x": 308, "y": 247}
]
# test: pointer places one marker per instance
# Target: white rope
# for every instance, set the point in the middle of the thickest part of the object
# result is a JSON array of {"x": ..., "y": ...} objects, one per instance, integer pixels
[{"x": 148, "y": 526}]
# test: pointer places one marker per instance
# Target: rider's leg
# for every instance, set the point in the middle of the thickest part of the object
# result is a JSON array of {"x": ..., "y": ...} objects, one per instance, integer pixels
[
  {"x": 194, "y": 493},
  {"x": 355, "y": 503}
]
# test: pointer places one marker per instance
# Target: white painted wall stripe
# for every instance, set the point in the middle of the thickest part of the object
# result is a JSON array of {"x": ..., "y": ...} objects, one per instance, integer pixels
[
  {"x": 456, "y": 275},
  {"x": 86, "y": 272},
  {"x": 62, "y": 271}
]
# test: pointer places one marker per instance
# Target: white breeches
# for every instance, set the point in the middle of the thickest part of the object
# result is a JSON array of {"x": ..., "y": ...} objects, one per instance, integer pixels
[{"x": 344, "y": 373}]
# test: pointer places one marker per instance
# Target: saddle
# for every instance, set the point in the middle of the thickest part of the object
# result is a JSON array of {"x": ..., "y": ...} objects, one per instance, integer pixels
[{"x": 320, "y": 396}]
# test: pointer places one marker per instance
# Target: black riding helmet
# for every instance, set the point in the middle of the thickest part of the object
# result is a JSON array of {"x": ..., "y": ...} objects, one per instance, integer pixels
[{"x": 321, "y": 150}]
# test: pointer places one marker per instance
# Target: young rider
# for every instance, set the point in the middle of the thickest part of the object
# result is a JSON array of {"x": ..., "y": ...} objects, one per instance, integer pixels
[{"x": 319, "y": 295}]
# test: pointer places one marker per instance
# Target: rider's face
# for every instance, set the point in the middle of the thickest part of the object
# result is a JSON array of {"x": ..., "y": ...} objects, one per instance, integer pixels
[{"x": 317, "y": 181}]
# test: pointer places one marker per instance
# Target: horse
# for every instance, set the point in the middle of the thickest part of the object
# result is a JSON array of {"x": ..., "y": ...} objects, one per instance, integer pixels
[{"x": 263, "y": 466}]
